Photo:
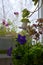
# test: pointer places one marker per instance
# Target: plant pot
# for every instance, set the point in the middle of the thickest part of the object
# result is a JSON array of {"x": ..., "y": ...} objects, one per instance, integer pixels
[{"x": 5, "y": 42}]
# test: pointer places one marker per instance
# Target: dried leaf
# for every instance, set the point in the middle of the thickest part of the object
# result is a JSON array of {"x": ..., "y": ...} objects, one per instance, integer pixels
[{"x": 40, "y": 20}]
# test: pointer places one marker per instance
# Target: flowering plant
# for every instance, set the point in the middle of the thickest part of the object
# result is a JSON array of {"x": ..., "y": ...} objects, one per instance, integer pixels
[
  {"x": 24, "y": 53},
  {"x": 20, "y": 51},
  {"x": 7, "y": 28}
]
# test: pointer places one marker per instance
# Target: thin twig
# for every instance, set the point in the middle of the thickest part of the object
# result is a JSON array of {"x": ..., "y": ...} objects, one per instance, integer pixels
[{"x": 36, "y": 10}]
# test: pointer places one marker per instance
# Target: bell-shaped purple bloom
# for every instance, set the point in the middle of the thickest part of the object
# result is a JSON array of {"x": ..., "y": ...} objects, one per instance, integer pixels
[
  {"x": 3, "y": 22},
  {"x": 7, "y": 24},
  {"x": 9, "y": 51},
  {"x": 16, "y": 13},
  {"x": 21, "y": 39}
]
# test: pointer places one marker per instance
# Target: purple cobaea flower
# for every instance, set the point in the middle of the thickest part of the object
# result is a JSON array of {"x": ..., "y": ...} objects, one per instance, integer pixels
[
  {"x": 16, "y": 13},
  {"x": 21, "y": 39},
  {"x": 9, "y": 51},
  {"x": 7, "y": 24},
  {"x": 3, "y": 22}
]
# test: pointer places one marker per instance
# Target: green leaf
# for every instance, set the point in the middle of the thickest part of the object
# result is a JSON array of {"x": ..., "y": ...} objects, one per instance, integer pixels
[
  {"x": 25, "y": 13},
  {"x": 35, "y": 1},
  {"x": 25, "y": 20}
]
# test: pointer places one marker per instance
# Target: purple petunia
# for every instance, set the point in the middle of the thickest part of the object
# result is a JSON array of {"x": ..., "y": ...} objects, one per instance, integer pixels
[
  {"x": 9, "y": 51},
  {"x": 21, "y": 39}
]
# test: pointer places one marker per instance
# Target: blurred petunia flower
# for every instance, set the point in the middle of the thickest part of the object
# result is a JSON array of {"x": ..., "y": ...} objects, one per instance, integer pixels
[
  {"x": 21, "y": 39},
  {"x": 7, "y": 24},
  {"x": 16, "y": 13},
  {"x": 3, "y": 22},
  {"x": 9, "y": 51}
]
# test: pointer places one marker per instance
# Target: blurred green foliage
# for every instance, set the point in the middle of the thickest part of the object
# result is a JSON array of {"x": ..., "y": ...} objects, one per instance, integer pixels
[
  {"x": 35, "y": 1},
  {"x": 25, "y": 13},
  {"x": 2, "y": 30},
  {"x": 29, "y": 54},
  {"x": 25, "y": 20}
]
